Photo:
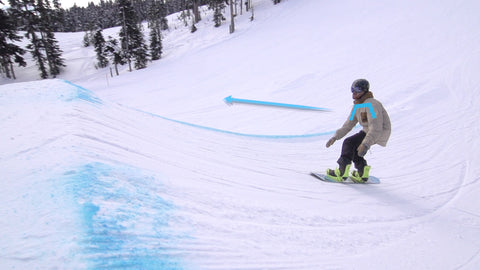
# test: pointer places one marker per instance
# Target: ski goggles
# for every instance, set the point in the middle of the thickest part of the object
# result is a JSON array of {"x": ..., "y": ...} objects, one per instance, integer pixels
[{"x": 357, "y": 90}]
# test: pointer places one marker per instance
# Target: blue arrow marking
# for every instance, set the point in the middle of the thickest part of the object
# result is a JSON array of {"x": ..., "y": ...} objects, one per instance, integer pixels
[
  {"x": 364, "y": 105},
  {"x": 230, "y": 100}
]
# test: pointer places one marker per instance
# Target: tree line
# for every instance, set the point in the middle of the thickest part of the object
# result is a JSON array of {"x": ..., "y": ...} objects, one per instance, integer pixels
[{"x": 40, "y": 19}]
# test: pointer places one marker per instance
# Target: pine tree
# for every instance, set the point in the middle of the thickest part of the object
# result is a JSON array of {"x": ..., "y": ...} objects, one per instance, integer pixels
[
  {"x": 131, "y": 36},
  {"x": 9, "y": 50},
  {"x": 163, "y": 16},
  {"x": 75, "y": 19},
  {"x": 54, "y": 54},
  {"x": 140, "y": 51},
  {"x": 155, "y": 45},
  {"x": 87, "y": 39},
  {"x": 155, "y": 18},
  {"x": 26, "y": 10},
  {"x": 36, "y": 47},
  {"x": 114, "y": 53},
  {"x": 52, "y": 49},
  {"x": 99, "y": 44},
  {"x": 37, "y": 19},
  {"x": 57, "y": 17},
  {"x": 217, "y": 6}
]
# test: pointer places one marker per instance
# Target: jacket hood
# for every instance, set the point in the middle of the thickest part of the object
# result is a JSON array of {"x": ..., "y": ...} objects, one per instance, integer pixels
[{"x": 363, "y": 98}]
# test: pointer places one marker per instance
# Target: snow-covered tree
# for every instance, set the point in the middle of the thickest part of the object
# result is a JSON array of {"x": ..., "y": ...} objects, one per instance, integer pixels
[
  {"x": 99, "y": 45},
  {"x": 131, "y": 36},
  {"x": 87, "y": 39}
]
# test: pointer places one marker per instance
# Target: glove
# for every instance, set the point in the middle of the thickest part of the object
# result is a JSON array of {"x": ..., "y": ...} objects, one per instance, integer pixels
[
  {"x": 331, "y": 141},
  {"x": 362, "y": 150}
]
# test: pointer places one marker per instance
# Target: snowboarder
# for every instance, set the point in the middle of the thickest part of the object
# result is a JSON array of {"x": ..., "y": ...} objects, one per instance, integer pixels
[{"x": 375, "y": 121}]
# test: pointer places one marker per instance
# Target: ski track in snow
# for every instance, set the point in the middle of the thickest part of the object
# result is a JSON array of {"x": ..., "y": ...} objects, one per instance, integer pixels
[{"x": 107, "y": 178}]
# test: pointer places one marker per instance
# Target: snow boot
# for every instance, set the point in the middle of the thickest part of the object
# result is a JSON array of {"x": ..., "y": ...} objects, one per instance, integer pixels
[
  {"x": 338, "y": 175},
  {"x": 361, "y": 176}
]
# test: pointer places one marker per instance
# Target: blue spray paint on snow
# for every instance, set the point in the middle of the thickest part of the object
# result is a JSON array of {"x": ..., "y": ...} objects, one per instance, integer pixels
[
  {"x": 82, "y": 93},
  {"x": 87, "y": 95},
  {"x": 125, "y": 223},
  {"x": 300, "y": 136}
]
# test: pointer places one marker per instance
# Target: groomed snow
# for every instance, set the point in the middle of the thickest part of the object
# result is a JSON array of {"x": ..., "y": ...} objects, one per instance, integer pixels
[{"x": 152, "y": 170}]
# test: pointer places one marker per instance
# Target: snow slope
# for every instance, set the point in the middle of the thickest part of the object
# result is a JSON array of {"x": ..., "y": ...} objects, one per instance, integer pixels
[{"x": 151, "y": 170}]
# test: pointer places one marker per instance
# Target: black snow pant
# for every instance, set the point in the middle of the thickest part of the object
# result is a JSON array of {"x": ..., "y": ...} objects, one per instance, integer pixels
[{"x": 349, "y": 152}]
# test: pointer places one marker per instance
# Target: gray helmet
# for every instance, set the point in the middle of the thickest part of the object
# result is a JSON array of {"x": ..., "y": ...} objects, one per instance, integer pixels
[{"x": 360, "y": 85}]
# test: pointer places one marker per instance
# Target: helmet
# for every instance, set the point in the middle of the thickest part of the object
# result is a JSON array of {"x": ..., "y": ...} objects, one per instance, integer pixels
[{"x": 360, "y": 85}]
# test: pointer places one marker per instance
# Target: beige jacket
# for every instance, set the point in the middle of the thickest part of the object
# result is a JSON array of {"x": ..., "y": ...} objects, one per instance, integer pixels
[{"x": 377, "y": 126}]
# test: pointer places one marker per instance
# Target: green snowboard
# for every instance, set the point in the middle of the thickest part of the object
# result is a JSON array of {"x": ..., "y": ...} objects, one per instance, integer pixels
[{"x": 321, "y": 176}]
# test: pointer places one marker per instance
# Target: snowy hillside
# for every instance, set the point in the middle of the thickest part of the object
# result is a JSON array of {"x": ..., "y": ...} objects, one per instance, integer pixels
[{"x": 152, "y": 170}]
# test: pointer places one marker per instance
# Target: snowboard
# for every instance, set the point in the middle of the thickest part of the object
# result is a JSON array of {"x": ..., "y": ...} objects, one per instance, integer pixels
[{"x": 321, "y": 176}]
